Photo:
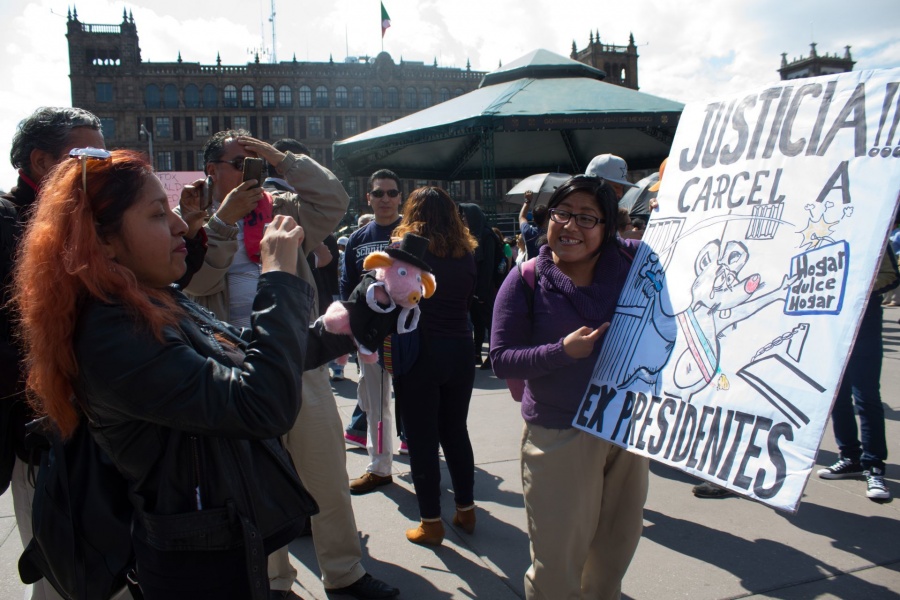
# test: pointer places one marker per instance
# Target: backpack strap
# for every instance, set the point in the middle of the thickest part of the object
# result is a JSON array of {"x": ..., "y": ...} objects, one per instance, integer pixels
[{"x": 529, "y": 273}]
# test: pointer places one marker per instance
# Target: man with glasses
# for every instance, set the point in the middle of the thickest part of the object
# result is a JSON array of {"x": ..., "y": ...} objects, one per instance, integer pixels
[
  {"x": 226, "y": 285},
  {"x": 374, "y": 389},
  {"x": 41, "y": 142}
]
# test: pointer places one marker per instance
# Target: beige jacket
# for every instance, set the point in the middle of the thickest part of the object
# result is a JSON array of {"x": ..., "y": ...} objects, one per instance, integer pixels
[{"x": 318, "y": 206}]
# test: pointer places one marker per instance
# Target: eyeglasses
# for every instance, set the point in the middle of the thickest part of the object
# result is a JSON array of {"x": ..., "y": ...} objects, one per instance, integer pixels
[
  {"x": 381, "y": 193},
  {"x": 85, "y": 154},
  {"x": 584, "y": 221},
  {"x": 237, "y": 162}
]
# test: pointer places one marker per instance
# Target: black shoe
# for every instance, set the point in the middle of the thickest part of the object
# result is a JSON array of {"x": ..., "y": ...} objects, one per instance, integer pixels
[
  {"x": 366, "y": 587},
  {"x": 844, "y": 468},
  {"x": 283, "y": 595},
  {"x": 486, "y": 365},
  {"x": 710, "y": 490}
]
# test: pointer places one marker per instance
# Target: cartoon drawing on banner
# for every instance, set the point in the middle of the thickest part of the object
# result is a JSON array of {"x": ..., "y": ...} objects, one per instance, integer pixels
[{"x": 744, "y": 298}]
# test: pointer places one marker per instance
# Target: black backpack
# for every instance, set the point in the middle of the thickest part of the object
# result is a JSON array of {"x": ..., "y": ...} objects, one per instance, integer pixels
[{"x": 81, "y": 517}]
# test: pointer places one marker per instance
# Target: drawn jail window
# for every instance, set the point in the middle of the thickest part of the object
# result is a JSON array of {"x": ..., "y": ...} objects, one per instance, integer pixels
[{"x": 765, "y": 221}]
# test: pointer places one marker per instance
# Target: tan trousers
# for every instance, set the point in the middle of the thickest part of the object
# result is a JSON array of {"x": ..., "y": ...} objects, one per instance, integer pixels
[
  {"x": 584, "y": 498},
  {"x": 316, "y": 443}
]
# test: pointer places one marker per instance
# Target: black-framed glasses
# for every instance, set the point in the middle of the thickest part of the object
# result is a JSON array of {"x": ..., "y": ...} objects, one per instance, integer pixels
[
  {"x": 582, "y": 220},
  {"x": 237, "y": 162},
  {"x": 381, "y": 193},
  {"x": 84, "y": 155}
]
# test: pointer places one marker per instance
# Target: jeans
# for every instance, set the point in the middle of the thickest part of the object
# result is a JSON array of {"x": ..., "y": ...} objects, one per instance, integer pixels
[
  {"x": 861, "y": 387},
  {"x": 433, "y": 399}
]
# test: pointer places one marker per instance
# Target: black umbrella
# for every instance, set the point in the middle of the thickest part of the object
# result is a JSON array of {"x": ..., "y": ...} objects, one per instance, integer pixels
[{"x": 542, "y": 184}]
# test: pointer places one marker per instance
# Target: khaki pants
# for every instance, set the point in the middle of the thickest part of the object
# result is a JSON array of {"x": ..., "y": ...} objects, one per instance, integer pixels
[
  {"x": 316, "y": 443},
  {"x": 584, "y": 498},
  {"x": 374, "y": 394}
]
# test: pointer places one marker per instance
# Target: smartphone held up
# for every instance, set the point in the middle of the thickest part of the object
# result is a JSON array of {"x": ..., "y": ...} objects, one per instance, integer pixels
[{"x": 253, "y": 169}]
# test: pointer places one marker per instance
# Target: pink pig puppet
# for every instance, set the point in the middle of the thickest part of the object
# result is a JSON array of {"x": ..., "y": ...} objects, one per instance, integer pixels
[{"x": 386, "y": 299}]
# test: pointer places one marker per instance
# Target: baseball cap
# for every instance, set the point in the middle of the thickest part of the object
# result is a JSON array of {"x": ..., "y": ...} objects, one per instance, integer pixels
[{"x": 611, "y": 168}]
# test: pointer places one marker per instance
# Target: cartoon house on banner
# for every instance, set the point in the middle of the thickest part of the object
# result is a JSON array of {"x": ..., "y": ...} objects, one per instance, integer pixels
[{"x": 742, "y": 304}]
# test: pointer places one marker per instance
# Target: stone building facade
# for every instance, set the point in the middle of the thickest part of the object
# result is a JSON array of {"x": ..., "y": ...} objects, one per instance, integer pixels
[
  {"x": 618, "y": 62},
  {"x": 179, "y": 104},
  {"x": 815, "y": 64}
]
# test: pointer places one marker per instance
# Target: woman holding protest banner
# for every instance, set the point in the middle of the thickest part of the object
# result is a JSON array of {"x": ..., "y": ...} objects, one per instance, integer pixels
[
  {"x": 584, "y": 496},
  {"x": 189, "y": 409}
]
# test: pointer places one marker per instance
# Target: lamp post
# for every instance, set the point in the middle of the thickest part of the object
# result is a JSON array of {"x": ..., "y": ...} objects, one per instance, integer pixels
[{"x": 149, "y": 135}]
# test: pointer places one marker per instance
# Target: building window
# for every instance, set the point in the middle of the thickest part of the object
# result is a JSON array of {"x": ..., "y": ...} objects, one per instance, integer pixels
[
  {"x": 425, "y": 98},
  {"x": 108, "y": 128},
  {"x": 410, "y": 99},
  {"x": 164, "y": 161},
  {"x": 163, "y": 127},
  {"x": 210, "y": 96},
  {"x": 191, "y": 96},
  {"x": 151, "y": 96},
  {"x": 341, "y": 98},
  {"x": 241, "y": 123},
  {"x": 201, "y": 161},
  {"x": 279, "y": 127},
  {"x": 104, "y": 92},
  {"x": 314, "y": 126},
  {"x": 201, "y": 126},
  {"x": 356, "y": 97},
  {"x": 318, "y": 155},
  {"x": 445, "y": 94},
  {"x": 230, "y": 96},
  {"x": 350, "y": 126},
  {"x": 247, "y": 99},
  {"x": 305, "y": 96},
  {"x": 170, "y": 96},
  {"x": 284, "y": 96},
  {"x": 384, "y": 120},
  {"x": 454, "y": 188},
  {"x": 393, "y": 98},
  {"x": 268, "y": 96},
  {"x": 458, "y": 92},
  {"x": 377, "y": 98},
  {"x": 321, "y": 97}
]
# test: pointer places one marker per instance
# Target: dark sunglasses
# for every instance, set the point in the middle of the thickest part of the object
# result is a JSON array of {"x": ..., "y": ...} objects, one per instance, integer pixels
[
  {"x": 582, "y": 220},
  {"x": 236, "y": 162},
  {"x": 381, "y": 193},
  {"x": 84, "y": 155}
]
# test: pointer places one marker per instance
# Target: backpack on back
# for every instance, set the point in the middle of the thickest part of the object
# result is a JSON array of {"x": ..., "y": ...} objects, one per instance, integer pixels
[{"x": 81, "y": 520}]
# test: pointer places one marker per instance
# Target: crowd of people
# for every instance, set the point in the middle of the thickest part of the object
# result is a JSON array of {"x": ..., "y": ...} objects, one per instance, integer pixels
[{"x": 187, "y": 343}]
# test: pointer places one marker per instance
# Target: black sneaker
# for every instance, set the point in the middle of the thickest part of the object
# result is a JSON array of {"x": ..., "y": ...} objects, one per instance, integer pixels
[
  {"x": 710, "y": 490},
  {"x": 875, "y": 487},
  {"x": 366, "y": 587},
  {"x": 842, "y": 469}
]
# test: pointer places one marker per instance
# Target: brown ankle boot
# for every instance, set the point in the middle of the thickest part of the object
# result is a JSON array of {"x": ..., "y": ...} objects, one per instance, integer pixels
[
  {"x": 465, "y": 518},
  {"x": 429, "y": 532}
]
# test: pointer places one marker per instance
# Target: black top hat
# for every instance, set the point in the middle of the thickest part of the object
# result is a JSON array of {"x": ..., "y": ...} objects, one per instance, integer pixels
[{"x": 411, "y": 249}]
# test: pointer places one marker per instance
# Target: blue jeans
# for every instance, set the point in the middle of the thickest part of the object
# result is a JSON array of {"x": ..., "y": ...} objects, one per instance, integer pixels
[{"x": 862, "y": 386}]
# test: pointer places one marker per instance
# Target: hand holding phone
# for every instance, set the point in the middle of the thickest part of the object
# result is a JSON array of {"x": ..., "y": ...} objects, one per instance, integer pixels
[{"x": 253, "y": 169}]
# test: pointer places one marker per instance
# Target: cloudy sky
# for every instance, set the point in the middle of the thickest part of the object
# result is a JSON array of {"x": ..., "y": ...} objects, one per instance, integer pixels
[{"x": 692, "y": 53}]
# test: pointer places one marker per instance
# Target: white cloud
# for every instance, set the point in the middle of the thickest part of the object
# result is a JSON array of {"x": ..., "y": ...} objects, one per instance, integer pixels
[{"x": 688, "y": 51}]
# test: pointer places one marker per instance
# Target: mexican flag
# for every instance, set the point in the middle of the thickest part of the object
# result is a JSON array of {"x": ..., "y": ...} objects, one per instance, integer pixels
[{"x": 385, "y": 20}]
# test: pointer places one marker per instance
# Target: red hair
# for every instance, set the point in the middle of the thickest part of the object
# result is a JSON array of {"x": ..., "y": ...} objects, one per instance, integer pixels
[{"x": 62, "y": 263}]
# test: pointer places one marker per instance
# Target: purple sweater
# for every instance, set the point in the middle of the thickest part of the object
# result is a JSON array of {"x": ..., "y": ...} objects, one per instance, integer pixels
[{"x": 520, "y": 349}]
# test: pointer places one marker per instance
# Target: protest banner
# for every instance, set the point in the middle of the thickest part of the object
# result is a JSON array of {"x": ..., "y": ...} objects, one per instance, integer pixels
[
  {"x": 735, "y": 324},
  {"x": 174, "y": 181}
]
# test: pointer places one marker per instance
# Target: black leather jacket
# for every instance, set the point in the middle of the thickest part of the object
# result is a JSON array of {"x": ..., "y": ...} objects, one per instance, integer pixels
[{"x": 194, "y": 425}]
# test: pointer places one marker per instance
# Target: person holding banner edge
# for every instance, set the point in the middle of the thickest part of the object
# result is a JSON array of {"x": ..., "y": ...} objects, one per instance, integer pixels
[{"x": 552, "y": 341}]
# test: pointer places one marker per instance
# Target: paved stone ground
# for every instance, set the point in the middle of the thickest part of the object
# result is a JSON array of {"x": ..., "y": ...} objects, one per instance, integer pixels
[{"x": 838, "y": 545}]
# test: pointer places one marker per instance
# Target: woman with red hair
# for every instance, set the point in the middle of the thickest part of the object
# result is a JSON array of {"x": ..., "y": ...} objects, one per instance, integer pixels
[{"x": 188, "y": 408}]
